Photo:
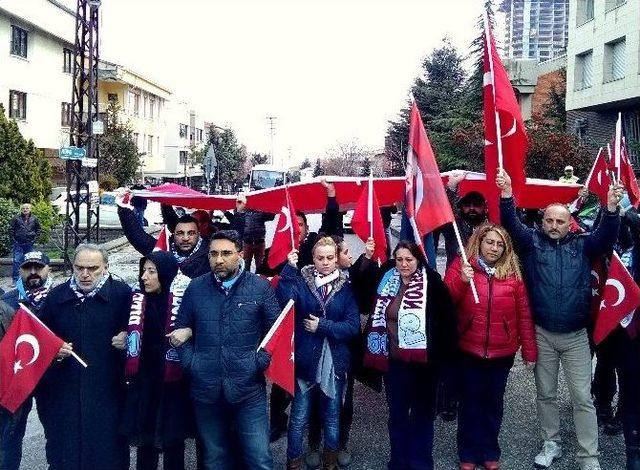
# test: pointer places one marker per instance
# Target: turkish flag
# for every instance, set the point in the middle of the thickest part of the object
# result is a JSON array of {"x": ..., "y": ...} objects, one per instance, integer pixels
[
  {"x": 163, "y": 244},
  {"x": 501, "y": 106},
  {"x": 628, "y": 177},
  {"x": 26, "y": 351},
  {"x": 426, "y": 201},
  {"x": 366, "y": 214},
  {"x": 279, "y": 342},
  {"x": 598, "y": 181},
  {"x": 287, "y": 234},
  {"x": 620, "y": 296}
]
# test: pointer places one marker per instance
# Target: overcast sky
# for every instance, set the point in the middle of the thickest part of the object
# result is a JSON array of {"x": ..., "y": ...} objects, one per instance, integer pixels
[{"x": 330, "y": 70}]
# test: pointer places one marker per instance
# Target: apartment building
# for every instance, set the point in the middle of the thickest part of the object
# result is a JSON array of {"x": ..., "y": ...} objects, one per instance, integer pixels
[
  {"x": 535, "y": 29},
  {"x": 603, "y": 69},
  {"x": 36, "y": 65}
]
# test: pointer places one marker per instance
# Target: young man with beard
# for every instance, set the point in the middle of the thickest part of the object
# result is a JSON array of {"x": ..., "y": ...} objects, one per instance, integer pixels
[
  {"x": 31, "y": 290},
  {"x": 229, "y": 310}
]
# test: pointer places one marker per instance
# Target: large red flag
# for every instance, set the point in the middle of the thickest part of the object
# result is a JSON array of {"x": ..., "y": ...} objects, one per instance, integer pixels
[
  {"x": 279, "y": 342},
  {"x": 287, "y": 234},
  {"x": 620, "y": 296},
  {"x": 26, "y": 351},
  {"x": 598, "y": 181},
  {"x": 508, "y": 148},
  {"x": 366, "y": 214},
  {"x": 427, "y": 205}
]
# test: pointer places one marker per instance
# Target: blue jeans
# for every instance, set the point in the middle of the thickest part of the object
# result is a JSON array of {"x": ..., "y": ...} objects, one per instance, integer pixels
[
  {"x": 482, "y": 385},
  {"x": 214, "y": 421},
  {"x": 299, "y": 418},
  {"x": 411, "y": 398},
  {"x": 12, "y": 429},
  {"x": 19, "y": 250}
]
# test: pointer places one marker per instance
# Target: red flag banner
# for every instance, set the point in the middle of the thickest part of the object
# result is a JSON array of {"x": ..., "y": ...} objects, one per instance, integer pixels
[
  {"x": 287, "y": 234},
  {"x": 598, "y": 181},
  {"x": 162, "y": 244},
  {"x": 279, "y": 342},
  {"x": 505, "y": 136},
  {"x": 366, "y": 211},
  {"x": 620, "y": 296},
  {"x": 26, "y": 351}
]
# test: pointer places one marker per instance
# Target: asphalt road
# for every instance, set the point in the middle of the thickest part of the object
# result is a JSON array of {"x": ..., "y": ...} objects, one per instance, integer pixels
[{"x": 369, "y": 441}]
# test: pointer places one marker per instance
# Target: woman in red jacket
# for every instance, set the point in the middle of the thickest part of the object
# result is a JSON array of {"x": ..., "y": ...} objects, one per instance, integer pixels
[{"x": 490, "y": 334}]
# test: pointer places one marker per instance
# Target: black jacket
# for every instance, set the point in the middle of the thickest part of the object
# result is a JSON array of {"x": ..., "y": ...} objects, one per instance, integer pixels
[
  {"x": 195, "y": 265},
  {"x": 80, "y": 408},
  {"x": 221, "y": 356},
  {"x": 24, "y": 230},
  {"x": 558, "y": 272}
]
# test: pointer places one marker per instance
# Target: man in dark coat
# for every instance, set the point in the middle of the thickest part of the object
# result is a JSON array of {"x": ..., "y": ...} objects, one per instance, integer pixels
[
  {"x": 23, "y": 232},
  {"x": 80, "y": 408},
  {"x": 229, "y": 311}
]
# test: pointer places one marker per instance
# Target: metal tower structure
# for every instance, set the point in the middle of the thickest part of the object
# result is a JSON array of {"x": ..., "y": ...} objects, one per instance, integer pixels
[{"x": 84, "y": 113}]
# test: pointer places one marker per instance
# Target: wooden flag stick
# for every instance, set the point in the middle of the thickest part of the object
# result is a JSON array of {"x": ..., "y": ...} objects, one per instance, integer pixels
[
  {"x": 466, "y": 261},
  {"x": 291, "y": 216}
]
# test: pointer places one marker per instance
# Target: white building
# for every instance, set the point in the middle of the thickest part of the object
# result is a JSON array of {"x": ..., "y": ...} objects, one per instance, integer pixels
[
  {"x": 603, "y": 68},
  {"x": 36, "y": 62}
]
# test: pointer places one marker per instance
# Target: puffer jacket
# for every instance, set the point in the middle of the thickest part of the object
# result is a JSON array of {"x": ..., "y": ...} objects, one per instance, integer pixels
[
  {"x": 339, "y": 320},
  {"x": 500, "y": 323}
]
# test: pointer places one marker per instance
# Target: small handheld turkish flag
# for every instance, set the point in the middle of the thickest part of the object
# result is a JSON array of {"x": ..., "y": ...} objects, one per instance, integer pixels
[
  {"x": 620, "y": 296},
  {"x": 26, "y": 351},
  {"x": 279, "y": 342},
  {"x": 287, "y": 234},
  {"x": 162, "y": 244},
  {"x": 598, "y": 181},
  {"x": 367, "y": 221}
]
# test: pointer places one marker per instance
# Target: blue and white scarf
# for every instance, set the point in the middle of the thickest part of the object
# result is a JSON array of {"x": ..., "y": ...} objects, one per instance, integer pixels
[
  {"x": 33, "y": 297},
  {"x": 227, "y": 284}
]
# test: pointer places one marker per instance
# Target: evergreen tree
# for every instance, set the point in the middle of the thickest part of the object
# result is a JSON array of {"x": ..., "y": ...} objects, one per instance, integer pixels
[
  {"x": 366, "y": 167},
  {"x": 305, "y": 164},
  {"x": 317, "y": 169},
  {"x": 230, "y": 155},
  {"x": 25, "y": 173},
  {"x": 119, "y": 157}
]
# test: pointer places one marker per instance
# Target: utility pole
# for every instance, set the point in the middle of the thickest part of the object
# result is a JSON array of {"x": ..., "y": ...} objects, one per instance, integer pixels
[
  {"x": 84, "y": 103},
  {"x": 272, "y": 130}
]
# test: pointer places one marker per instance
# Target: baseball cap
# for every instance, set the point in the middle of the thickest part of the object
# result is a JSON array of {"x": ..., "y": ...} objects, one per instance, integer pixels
[{"x": 35, "y": 257}]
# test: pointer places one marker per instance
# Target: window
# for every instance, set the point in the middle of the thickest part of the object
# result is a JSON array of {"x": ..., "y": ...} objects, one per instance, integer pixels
[
  {"x": 65, "y": 118},
  {"x": 199, "y": 135},
  {"x": 144, "y": 105},
  {"x": 584, "y": 12},
  {"x": 112, "y": 97},
  {"x": 136, "y": 104},
  {"x": 19, "y": 41},
  {"x": 183, "y": 130},
  {"x": 158, "y": 144},
  {"x": 17, "y": 105},
  {"x": 152, "y": 104},
  {"x": 183, "y": 157},
  {"x": 584, "y": 70},
  {"x": 68, "y": 60},
  {"x": 614, "y": 60},
  {"x": 613, "y": 4},
  {"x": 150, "y": 145},
  {"x": 136, "y": 140}
]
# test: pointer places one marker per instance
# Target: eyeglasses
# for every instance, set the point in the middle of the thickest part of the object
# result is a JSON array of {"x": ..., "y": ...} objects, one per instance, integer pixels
[
  {"x": 225, "y": 254},
  {"x": 190, "y": 233}
]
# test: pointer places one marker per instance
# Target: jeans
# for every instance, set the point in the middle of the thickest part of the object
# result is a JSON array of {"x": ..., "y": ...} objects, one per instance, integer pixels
[
  {"x": 411, "y": 396},
  {"x": 480, "y": 410},
  {"x": 346, "y": 417},
  {"x": 172, "y": 457},
  {"x": 572, "y": 350},
  {"x": 19, "y": 250},
  {"x": 300, "y": 409},
  {"x": 214, "y": 421},
  {"x": 12, "y": 429}
]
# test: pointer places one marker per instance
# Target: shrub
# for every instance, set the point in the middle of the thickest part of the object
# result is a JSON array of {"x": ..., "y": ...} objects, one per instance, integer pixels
[
  {"x": 8, "y": 210},
  {"x": 48, "y": 217}
]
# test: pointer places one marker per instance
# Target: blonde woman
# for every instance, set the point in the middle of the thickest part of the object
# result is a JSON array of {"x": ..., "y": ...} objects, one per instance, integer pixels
[{"x": 489, "y": 335}]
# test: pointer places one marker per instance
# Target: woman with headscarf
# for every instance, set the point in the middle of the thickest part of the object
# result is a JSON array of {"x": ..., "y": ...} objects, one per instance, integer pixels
[
  {"x": 157, "y": 412},
  {"x": 490, "y": 333},
  {"x": 327, "y": 318},
  {"x": 410, "y": 333}
]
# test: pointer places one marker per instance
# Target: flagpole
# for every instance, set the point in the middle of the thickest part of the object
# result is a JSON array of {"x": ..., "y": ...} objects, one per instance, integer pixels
[
  {"x": 466, "y": 261},
  {"x": 370, "y": 204},
  {"x": 287, "y": 197},
  {"x": 618, "y": 144},
  {"x": 489, "y": 51}
]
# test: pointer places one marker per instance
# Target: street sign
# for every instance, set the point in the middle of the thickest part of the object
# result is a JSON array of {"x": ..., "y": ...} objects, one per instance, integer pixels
[
  {"x": 97, "y": 127},
  {"x": 72, "y": 153},
  {"x": 90, "y": 162}
]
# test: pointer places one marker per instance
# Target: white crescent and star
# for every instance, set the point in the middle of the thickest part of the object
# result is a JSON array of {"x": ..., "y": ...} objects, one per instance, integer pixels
[
  {"x": 619, "y": 288},
  {"x": 30, "y": 339},
  {"x": 287, "y": 225}
]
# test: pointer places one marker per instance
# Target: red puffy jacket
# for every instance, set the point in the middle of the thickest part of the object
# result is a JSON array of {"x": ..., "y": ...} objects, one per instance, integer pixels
[{"x": 500, "y": 323}]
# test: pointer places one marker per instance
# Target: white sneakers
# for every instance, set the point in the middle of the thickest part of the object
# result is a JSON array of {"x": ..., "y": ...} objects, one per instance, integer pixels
[{"x": 550, "y": 451}]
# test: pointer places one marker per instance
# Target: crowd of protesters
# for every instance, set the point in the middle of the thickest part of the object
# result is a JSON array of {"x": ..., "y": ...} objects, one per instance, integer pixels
[{"x": 178, "y": 356}]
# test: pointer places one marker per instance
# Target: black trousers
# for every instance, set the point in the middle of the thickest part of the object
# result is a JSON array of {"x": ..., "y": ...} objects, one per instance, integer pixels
[
  {"x": 605, "y": 383},
  {"x": 627, "y": 352},
  {"x": 480, "y": 410},
  {"x": 172, "y": 457}
]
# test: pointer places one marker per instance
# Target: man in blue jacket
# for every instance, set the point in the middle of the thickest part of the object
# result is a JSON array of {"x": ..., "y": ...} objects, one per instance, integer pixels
[
  {"x": 557, "y": 270},
  {"x": 229, "y": 311}
]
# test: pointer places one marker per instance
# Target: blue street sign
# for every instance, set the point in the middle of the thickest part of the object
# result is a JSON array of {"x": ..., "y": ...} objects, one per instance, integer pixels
[{"x": 72, "y": 153}]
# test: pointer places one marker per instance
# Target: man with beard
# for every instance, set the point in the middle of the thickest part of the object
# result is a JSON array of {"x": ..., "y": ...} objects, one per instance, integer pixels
[
  {"x": 80, "y": 408},
  {"x": 31, "y": 290},
  {"x": 229, "y": 310}
]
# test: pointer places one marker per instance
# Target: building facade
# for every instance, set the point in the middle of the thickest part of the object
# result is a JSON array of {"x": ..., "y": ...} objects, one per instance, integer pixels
[
  {"x": 535, "y": 29},
  {"x": 603, "y": 69}
]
